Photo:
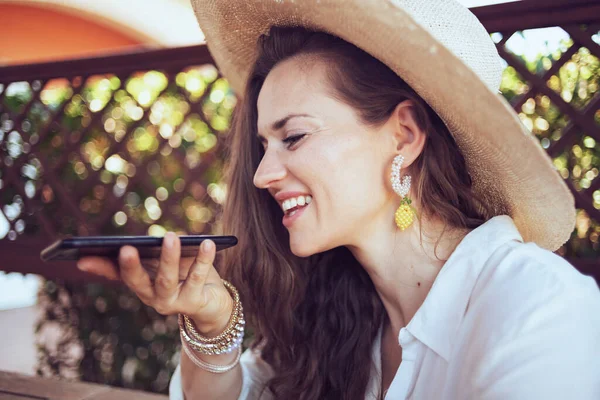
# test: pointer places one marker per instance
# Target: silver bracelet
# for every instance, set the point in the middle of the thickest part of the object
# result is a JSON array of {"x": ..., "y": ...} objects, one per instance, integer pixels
[{"x": 217, "y": 369}]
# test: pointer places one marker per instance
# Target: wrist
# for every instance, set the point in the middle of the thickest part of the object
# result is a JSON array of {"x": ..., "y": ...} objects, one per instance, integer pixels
[
  {"x": 223, "y": 340},
  {"x": 215, "y": 328}
]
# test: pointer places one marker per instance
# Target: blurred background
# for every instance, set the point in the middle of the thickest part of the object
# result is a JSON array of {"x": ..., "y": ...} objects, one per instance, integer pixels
[{"x": 113, "y": 120}]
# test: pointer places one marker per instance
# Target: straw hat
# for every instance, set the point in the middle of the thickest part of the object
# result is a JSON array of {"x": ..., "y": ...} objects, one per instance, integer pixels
[{"x": 444, "y": 53}]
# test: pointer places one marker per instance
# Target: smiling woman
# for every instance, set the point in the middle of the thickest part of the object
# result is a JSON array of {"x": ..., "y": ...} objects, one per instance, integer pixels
[
  {"x": 342, "y": 136},
  {"x": 420, "y": 267},
  {"x": 352, "y": 114}
]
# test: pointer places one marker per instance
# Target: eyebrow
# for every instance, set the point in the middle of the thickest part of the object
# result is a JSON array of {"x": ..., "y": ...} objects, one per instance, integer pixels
[{"x": 280, "y": 123}]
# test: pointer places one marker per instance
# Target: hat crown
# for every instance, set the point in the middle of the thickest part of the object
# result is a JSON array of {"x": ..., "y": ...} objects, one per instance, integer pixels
[{"x": 459, "y": 30}]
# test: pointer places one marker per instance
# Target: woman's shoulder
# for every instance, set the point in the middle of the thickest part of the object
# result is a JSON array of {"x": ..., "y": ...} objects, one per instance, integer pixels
[
  {"x": 531, "y": 328},
  {"x": 528, "y": 266},
  {"x": 522, "y": 283}
]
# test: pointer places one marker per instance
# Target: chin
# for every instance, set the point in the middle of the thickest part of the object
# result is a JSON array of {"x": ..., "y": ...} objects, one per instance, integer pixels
[
  {"x": 307, "y": 248},
  {"x": 302, "y": 250}
]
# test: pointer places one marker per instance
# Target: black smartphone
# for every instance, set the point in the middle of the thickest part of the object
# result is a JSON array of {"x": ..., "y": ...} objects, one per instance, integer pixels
[{"x": 72, "y": 248}]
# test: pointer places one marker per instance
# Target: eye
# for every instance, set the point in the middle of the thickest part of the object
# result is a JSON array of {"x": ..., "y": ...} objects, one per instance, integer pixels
[{"x": 293, "y": 139}]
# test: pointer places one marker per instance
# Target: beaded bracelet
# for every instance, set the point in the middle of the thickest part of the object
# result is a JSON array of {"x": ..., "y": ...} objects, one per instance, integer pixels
[
  {"x": 217, "y": 369},
  {"x": 225, "y": 342},
  {"x": 226, "y": 345},
  {"x": 237, "y": 318}
]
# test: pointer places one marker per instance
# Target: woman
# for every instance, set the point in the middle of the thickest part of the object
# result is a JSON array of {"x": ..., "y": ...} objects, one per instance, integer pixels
[{"x": 394, "y": 219}]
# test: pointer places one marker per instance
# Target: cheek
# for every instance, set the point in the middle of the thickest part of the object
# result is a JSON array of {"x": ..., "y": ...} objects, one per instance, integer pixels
[{"x": 343, "y": 173}]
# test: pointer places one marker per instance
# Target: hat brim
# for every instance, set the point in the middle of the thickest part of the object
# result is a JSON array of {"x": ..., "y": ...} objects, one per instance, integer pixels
[{"x": 510, "y": 170}]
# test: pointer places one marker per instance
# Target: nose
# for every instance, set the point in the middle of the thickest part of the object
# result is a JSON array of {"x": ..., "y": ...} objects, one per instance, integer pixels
[{"x": 270, "y": 169}]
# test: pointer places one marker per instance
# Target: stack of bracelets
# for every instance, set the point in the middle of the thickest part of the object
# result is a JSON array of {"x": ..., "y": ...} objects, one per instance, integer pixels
[{"x": 229, "y": 340}]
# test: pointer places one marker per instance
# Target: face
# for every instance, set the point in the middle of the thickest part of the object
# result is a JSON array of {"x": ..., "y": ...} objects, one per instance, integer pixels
[{"x": 315, "y": 145}]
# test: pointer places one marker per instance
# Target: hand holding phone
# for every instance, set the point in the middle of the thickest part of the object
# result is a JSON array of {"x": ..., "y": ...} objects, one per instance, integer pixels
[
  {"x": 148, "y": 247},
  {"x": 200, "y": 295}
]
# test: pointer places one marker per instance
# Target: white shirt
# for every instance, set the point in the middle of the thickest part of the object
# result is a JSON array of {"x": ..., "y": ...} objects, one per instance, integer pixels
[{"x": 503, "y": 320}]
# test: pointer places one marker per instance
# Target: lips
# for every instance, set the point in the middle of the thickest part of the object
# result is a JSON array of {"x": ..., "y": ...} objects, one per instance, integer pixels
[
  {"x": 289, "y": 219},
  {"x": 290, "y": 202},
  {"x": 293, "y": 209}
]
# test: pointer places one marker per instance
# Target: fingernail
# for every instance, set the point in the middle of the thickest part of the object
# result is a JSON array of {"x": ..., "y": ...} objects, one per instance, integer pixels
[
  {"x": 168, "y": 239},
  {"x": 82, "y": 267},
  {"x": 205, "y": 246}
]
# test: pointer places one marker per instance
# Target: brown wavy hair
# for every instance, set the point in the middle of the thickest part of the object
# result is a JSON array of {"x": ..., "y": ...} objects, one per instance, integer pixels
[{"x": 315, "y": 318}]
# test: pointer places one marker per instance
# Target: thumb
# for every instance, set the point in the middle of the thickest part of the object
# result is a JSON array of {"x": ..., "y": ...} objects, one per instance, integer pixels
[{"x": 199, "y": 270}]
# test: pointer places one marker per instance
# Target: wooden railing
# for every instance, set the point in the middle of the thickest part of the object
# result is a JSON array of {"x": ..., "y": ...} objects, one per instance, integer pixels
[
  {"x": 19, "y": 386},
  {"x": 151, "y": 112}
]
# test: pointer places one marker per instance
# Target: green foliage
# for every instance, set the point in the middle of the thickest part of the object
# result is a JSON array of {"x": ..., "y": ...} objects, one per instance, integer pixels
[{"x": 577, "y": 82}]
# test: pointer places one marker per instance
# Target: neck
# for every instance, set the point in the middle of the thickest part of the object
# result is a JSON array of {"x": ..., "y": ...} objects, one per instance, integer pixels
[{"x": 404, "y": 264}]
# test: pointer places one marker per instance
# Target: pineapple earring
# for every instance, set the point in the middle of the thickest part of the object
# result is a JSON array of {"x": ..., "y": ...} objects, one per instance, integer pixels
[{"x": 404, "y": 215}]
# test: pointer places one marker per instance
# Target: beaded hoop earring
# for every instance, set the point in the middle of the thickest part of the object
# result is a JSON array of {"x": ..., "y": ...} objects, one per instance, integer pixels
[{"x": 404, "y": 215}]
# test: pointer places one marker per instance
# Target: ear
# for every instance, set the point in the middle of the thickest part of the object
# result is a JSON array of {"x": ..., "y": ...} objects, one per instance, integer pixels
[{"x": 407, "y": 137}]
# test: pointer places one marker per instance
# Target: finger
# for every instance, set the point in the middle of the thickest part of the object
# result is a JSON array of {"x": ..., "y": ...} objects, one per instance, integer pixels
[
  {"x": 134, "y": 275},
  {"x": 167, "y": 276},
  {"x": 100, "y": 266},
  {"x": 199, "y": 271},
  {"x": 151, "y": 266},
  {"x": 185, "y": 264}
]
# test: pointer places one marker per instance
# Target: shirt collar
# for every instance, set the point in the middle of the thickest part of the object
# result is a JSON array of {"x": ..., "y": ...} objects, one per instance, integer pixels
[{"x": 437, "y": 321}]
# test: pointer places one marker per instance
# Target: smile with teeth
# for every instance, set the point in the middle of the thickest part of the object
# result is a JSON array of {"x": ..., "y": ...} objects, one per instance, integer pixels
[{"x": 292, "y": 205}]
